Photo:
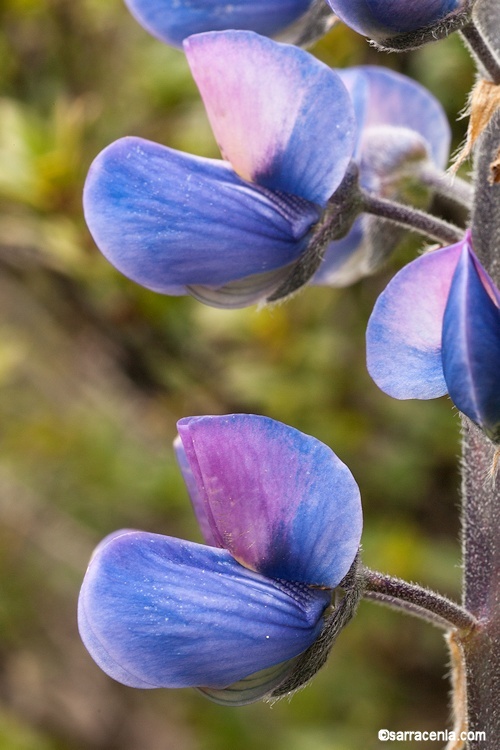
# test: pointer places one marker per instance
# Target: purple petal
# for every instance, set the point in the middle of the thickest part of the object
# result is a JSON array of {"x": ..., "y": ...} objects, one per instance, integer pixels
[
  {"x": 383, "y": 19},
  {"x": 270, "y": 105},
  {"x": 160, "y": 612},
  {"x": 384, "y": 97},
  {"x": 471, "y": 344},
  {"x": 403, "y": 337},
  {"x": 168, "y": 220},
  {"x": 280, "y": 501},
  {"x": 174, "y": 20},
  {"x": 197, "y": 498}
]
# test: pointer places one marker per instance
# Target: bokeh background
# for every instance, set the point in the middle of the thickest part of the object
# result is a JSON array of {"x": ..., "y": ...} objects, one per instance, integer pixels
[{"x": 94, "y": 373}]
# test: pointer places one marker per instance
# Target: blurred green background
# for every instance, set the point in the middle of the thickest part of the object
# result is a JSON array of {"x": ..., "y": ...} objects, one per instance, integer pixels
[{"x": 94, "y": 373}]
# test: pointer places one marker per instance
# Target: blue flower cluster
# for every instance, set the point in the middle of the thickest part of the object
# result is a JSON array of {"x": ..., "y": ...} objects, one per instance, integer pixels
[{"x": 279, "y": 512}]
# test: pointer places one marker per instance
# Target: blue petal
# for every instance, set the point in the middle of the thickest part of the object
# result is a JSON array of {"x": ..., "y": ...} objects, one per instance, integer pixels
[
  {"x": 161, "y": 612},
  {"x": 383, "y": 19},
  {"x": 283, "y": 119},
  {"x": 384, "y": 97},
  {"x": 280, "y": 501},
  {"x": 167, "y": 219},
  {"x": 251, "y": 688},
  {"x": 389, "y": 161},
  {"x": 471, "y": 344},
  {"x": 403, "y": 337},
  {"x": 174, "y": 20},
  {"x": 401, "y": 125}
]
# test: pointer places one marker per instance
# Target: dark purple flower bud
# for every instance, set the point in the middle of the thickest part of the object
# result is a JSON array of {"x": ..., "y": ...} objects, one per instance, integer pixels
[{"x": 400, "y": 24}]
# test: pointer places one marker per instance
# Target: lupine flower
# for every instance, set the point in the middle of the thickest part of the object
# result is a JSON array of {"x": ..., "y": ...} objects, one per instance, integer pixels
[
  {"x": 180, "y": 224},
  {"x": 172, "y": 21},
  {"x": 281, "y": 518},
  {"x": 228, "y": 231},
  {"x": 436, "y": 329},
  {"x": 403, "y": 130},
  {"x": 385, "y": 20}
]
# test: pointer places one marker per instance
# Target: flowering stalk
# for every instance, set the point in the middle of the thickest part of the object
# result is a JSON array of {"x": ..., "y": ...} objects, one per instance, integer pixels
[
  {"x": 481, "y": 493},
  {"x": 452, "y": 346}
]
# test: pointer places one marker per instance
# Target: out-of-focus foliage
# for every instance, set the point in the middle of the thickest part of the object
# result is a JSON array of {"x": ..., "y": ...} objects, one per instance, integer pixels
[{"x": 94, "y": 373}]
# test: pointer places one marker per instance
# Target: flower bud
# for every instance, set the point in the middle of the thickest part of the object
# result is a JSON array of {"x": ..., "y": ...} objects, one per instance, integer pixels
[{"x": 399, "y": 24}]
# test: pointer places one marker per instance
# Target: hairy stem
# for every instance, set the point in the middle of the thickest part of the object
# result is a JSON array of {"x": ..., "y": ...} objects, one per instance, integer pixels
[
  {"x": 451, "y": 187},
  {"x": 417, "y": 601},
  {"x": 412, "y": 218},
  {"x": 482, "y": 52},
  {"x": 407, "y": 608}
]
